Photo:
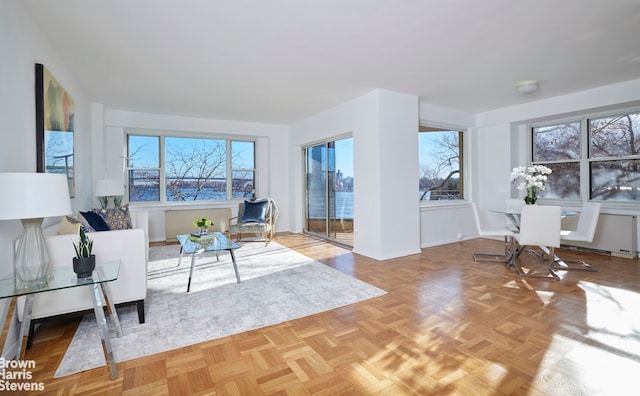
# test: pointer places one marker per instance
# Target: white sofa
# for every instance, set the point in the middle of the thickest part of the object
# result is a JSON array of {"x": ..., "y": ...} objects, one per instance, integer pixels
[{"x": 129, "y": 246}]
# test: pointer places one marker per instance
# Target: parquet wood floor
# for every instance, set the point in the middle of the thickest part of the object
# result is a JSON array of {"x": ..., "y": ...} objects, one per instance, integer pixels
[{"x": 448, "y": 326}]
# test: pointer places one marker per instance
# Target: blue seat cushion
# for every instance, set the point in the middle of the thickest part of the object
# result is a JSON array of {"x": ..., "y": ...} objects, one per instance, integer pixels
[{"x": 255, "y": 212}]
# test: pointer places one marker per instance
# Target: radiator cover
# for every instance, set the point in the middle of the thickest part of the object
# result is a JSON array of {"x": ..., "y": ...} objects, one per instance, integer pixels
[
  {"x": 181, "y": 221},
  {"x": 615, "y": 235}
]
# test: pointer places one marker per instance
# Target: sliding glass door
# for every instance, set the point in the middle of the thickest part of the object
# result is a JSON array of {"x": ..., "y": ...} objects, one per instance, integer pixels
[{"x": 329, "y": 190}]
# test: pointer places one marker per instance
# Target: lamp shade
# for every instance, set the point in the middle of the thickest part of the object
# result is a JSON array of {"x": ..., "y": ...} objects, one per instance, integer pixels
[
  {"x": 33, "y": 195},
  {"x": 108, "y": 188}
]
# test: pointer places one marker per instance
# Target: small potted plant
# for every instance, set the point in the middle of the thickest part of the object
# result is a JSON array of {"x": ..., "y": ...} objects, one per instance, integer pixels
[
  {"x": 203, "y": 224},
  {"x": 84, "y": 263}
]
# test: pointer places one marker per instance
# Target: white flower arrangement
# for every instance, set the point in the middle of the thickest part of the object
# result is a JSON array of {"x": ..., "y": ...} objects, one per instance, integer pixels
[{"x": 530, "y": 178}]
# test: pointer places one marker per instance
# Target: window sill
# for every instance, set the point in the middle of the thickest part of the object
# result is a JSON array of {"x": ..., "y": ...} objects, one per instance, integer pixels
[{"x": 161, "y": 206}]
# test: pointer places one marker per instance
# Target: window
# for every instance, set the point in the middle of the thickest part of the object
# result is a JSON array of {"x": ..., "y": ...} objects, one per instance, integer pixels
[
  {"x": 558, "y": 147},
  {"x": 440, "y": 156},
  {"x": 243, "y": 172},
  {"x": 175, "y": 169},
  {"x": 614, "y": 166},
  {"x": 144, "y": 168},
  {"x": 605, "y": 162},
  {"x": 329, "y": 210}
]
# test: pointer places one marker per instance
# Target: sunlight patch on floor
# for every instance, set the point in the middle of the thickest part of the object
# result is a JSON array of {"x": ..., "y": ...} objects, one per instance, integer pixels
[
  {"x": 545, "y": 296},
  {"x": 612, "y": 319},
  {"x": 518, "y": 283},
  {"x": 586, "y": 369}
]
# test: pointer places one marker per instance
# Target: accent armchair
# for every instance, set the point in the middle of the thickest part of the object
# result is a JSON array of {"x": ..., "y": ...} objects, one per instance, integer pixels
[{"x": 256, "y": 218}]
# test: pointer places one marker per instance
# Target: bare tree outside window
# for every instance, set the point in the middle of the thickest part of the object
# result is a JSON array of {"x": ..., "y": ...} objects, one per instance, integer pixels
[
  {"x": 612, "y": 158},
  {"x": 193, "y": 168},
  {"x": 615, "y": 155},
  {"x": 557, "y": 142},
  {"x": 615, "y": 136},
  {"x": 558, "y": 147},
  {"x": 440, "y": 156}
]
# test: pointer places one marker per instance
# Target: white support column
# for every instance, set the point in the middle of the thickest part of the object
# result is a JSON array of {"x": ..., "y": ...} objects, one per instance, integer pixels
[{"x": 386, "y": 202}]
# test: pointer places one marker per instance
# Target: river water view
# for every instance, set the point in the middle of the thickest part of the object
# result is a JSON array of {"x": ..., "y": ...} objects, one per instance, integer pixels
[{"x": 317, "y": 208}]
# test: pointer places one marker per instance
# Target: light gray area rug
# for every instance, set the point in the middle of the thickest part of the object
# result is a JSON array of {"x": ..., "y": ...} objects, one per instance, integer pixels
[{"x": 277, "y": 285}]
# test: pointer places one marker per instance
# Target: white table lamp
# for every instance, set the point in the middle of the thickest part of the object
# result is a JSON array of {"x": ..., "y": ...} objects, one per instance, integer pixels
[
  {"x": 30, "y": 197},
  {"x": 107, "y": 188}
]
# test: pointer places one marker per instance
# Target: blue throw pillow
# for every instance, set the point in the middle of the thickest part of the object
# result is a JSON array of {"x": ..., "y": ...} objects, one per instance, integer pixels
[
  {"x": 255, "y": 212},
  {"x": 95, "y": 221}
]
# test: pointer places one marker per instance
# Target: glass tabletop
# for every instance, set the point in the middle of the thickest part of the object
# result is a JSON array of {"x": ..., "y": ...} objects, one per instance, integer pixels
[
  {"x": 210, "y": 243},
  {"x": 59, "y": 278},
  {"x": 516, "y": 211}
]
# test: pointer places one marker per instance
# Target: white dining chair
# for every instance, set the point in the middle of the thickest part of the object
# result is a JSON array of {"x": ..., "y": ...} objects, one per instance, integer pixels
[
  {"x": 584, "y": 232},
  {"x": 539, "y": 226},
  {"x": 488, "y": 232}
]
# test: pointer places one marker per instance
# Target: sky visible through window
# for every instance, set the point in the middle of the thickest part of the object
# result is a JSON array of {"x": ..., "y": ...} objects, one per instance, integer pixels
[
  {"x": 344, "y": 156},
  {"x": 429, "y": 143},
  {"x": 144, "y": 151}
]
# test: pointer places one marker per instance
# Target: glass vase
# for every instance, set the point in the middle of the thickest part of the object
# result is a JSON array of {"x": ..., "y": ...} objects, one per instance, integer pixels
[{"x": 531, "y": 197}]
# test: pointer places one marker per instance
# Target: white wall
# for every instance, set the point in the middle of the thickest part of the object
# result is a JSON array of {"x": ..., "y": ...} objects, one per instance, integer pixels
[
  {"x": 272, "y": 162},
  {"x": 398, "y": 177},
  {"x": 602, "y": 98},
  {"x": 384, "y": 127},
  {"x": 22, "y": 45},
  {"x": 502, "y": 140}
]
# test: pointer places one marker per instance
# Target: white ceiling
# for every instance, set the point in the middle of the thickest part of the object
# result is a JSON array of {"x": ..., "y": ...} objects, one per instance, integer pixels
[{"x": 278, "y": 61}]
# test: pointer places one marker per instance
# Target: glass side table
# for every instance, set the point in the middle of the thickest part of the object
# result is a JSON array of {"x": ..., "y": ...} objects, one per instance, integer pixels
[
  {"x": 63, "y": 278},
  {"x": 215, "y": 243}
]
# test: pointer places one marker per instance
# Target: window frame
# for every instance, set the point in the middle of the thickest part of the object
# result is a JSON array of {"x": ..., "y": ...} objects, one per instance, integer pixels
[
  {"x": 462, "y": 149},
  {"x": 585, "y": 160},
  {"x": 162, "y": 135},
  {"x": 231, "y": 169},
  {"x": 550, "y": 163}
]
